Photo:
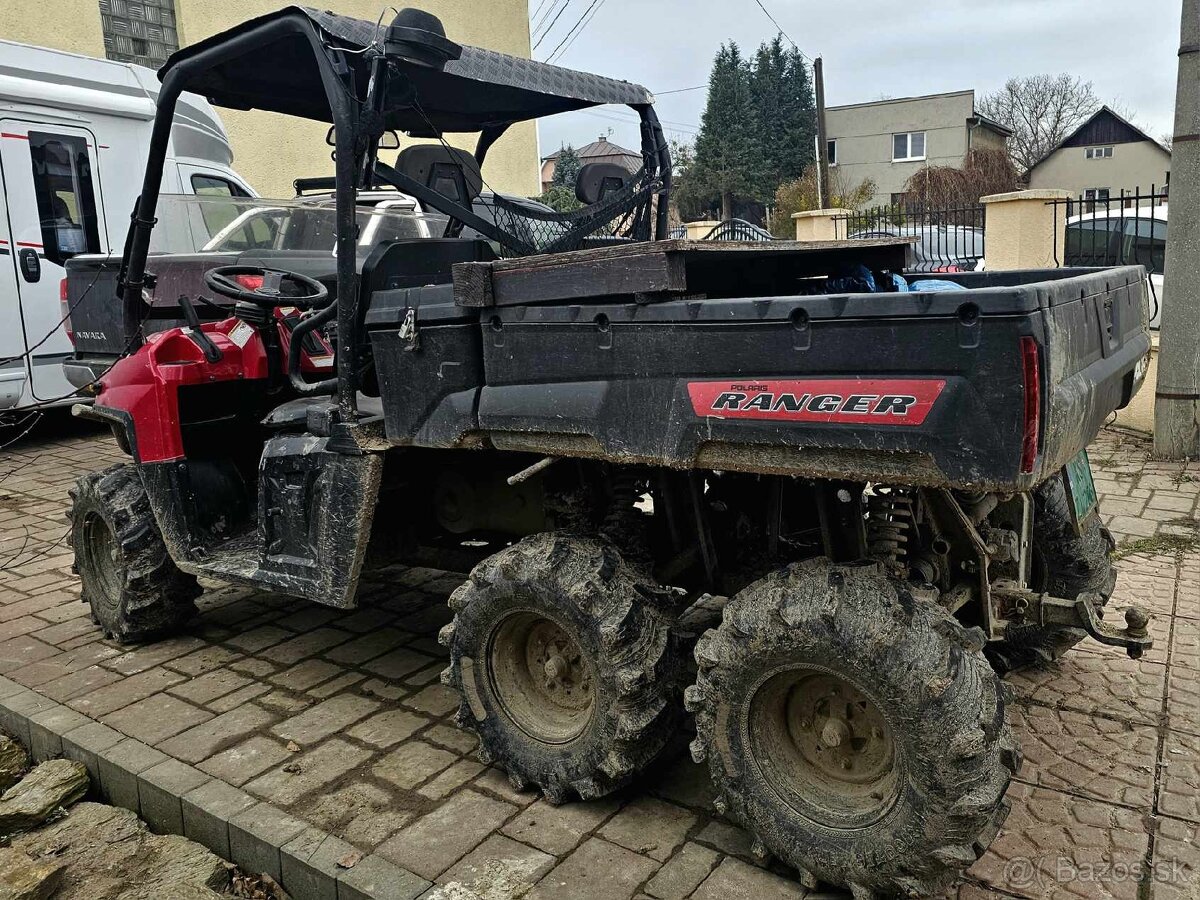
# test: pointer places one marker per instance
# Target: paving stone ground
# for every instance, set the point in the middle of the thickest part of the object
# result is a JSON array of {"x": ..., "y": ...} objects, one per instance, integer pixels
[{"x": 338, "y": 717}]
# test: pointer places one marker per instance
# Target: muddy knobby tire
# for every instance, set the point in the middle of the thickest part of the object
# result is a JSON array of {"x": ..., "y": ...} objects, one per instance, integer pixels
[
  {"x": 134, "y": 588},
  {"x": 1067, "y": 564},
  {"x": 939, "y": 798},
  {"x": 619, "y": 624}
]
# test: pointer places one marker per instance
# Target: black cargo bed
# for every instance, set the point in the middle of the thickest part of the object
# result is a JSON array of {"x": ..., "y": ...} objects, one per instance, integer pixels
[{"x": 929, "y": 386}]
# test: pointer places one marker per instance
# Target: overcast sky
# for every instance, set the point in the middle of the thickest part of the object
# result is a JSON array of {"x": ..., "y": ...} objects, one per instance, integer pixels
[{"x": 872, "y": 49}]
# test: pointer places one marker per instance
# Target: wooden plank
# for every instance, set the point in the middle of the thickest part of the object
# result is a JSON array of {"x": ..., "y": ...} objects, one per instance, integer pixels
[
  {"x": 665, "y": 268},
  {"x": 473, "y": 284},
  {"x": 623, "y": 251},
  {"x": 574, "y": 279}
]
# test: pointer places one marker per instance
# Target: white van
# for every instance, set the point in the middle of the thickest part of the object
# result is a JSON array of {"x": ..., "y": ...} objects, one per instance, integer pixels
[{"x": 73, "y": 137}]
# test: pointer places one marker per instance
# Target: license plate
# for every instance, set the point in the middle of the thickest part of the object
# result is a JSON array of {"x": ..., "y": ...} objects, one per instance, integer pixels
[{"x": 1081, "y": 489}]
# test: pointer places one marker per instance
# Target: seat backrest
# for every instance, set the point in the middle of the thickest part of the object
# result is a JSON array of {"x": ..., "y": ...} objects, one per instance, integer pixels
[
  {"x": 420, "y": 261},
  {"x": 599, "y": 179},
  {"x": 450, "y": 171}
]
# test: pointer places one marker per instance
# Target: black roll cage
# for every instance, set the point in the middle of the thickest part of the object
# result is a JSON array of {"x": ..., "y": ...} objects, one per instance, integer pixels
[{"x": 358, "y": 126}]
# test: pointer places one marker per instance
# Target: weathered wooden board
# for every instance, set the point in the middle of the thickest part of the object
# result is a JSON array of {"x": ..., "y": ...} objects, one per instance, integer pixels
[{"x": 667, "y": 268}]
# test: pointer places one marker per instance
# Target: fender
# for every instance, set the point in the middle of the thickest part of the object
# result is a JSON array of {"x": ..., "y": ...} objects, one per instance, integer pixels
[{"x": 141, "y": 391}]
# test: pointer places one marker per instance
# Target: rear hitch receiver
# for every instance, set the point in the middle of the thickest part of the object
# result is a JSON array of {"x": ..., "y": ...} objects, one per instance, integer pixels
[{"x": 1020, "y": 607}]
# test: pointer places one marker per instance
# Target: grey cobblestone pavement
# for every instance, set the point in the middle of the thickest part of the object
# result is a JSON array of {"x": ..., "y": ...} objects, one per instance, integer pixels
[{"x": 339, "y": 718}]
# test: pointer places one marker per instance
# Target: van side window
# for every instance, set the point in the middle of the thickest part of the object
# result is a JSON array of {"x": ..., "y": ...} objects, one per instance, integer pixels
[
  {"x": 1146, "y": 244},
  {"x": 1094, "y": 242},
  {"x": 217, "y": 215},
  {"x": 66, "y": 201}
]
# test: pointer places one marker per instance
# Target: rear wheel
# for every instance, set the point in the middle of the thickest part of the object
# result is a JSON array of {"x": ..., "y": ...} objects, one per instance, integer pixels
[
  {"x": 134, "y": 588},
  {"x": 1066, "y": 563},
  {"x": 566, "y": 665},
  {"x": 854, "y": 729}
]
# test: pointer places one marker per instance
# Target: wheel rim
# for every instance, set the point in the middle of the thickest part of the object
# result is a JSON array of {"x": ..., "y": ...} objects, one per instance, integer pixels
[
  {"x": 541, "y": 678},
  {"x": 104, "y": 556},
  {"x": 824, "y": 746}
]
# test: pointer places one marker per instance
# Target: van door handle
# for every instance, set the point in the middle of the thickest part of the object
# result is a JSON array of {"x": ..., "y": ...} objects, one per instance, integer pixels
[{"x": 31, "y": 265}]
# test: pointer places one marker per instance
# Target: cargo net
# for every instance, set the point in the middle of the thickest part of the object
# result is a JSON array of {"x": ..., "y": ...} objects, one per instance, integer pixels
[{"x": 622, "y": 215}]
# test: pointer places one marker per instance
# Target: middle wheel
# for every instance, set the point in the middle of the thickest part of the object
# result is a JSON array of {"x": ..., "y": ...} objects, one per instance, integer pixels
[{"x": 566, "y": 664}]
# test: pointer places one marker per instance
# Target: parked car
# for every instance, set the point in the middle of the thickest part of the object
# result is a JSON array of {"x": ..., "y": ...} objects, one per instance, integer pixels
[
  {"x": 1119, "y": 236},
  {"x": 939, "y": 248},
  {"x": 73, "y": 138}
]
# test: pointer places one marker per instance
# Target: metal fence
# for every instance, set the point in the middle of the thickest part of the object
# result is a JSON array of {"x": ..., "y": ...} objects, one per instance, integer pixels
[
  {"x": 949, "y": 239},
  {"x": 1127, "y": 229},
  {"x": 729, "y": 230}
]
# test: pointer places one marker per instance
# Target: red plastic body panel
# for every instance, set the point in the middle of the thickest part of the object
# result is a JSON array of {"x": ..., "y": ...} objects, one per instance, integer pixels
[{"x": 146, "y": 384}]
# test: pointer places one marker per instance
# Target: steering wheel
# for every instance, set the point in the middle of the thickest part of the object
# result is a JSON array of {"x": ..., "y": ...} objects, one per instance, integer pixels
[{"x": 275, "y": 287}]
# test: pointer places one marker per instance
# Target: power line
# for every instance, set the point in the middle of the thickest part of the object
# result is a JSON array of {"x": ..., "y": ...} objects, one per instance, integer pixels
[
  {"x": 533, "y": 15},
  {"x": 537, "y": 26},
  {"x": 781, "y": 31},
  {"x": 553, "y": 22},
  {"x": 576, "y": 29},
  {"x": 613, "y": 115},
  {"x": 698, "y": 87}
]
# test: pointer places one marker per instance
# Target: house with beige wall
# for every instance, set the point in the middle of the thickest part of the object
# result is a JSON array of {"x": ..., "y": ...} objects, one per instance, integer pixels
[
  {"x": 1102, "y": 158},
  {"x": 271, "y": 150},
  {"x": 889, "y": 140}
]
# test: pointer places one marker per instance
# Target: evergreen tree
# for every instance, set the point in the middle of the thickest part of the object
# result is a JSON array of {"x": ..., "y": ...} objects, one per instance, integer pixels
[
  {"x": 767, "y": 105},
  {"x": 757, "y": 131},
  {"x": 566, "y": 168},
  {"x": 725, "y": 161},
  {"x": 798, "y": 115}
]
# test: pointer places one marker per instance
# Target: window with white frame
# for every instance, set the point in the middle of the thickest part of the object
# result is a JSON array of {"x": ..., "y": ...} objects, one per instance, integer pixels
[
  {"x": 908, "y": 145},
  {"x": 831, "y": 152},
  {"x": 1098, "y": 153},
  {"x": 1096, "y": 194}
]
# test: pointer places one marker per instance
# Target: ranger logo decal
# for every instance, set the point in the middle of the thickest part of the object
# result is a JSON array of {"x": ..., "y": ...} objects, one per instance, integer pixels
[{"x": 870, "y": 401}]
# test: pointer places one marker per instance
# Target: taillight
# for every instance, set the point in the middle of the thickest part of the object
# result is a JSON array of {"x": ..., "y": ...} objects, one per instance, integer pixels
[
  {"x": 1032, "y": 381},
  {"x": 65, "y": 310},
  {"x": 249, "y": 282}
]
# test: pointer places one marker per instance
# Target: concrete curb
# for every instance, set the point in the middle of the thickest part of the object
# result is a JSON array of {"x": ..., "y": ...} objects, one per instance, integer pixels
[{"x": 175, "y": 798}]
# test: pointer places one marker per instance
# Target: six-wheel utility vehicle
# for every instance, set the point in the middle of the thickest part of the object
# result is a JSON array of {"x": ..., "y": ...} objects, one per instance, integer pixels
[{"x": 617, "y": 431}]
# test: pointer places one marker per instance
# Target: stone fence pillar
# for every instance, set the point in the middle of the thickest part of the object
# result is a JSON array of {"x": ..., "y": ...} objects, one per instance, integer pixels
[
  {"x": 1022, "y": 229},
  {"x": 820, "y": 224},
  {"x": 698, "y": 231}
]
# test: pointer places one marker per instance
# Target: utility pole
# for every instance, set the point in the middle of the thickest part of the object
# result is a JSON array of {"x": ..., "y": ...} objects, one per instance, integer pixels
[
  {"x": 1177, "y": 394},
  {"x": 822, "y": 141}
]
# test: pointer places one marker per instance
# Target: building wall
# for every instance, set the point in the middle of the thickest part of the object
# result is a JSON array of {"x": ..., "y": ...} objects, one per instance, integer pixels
[
  {"x": 72, "y": 25},
  {"x": 271, "y": 150},
  {"x": 986, "y": 139},
  {"x": 1132, "y": 166},
  {"x": 864, "y": 135}
]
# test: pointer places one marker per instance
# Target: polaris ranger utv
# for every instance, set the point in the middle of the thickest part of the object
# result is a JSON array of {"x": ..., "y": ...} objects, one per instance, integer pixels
[{"x": 617, "y": 430}]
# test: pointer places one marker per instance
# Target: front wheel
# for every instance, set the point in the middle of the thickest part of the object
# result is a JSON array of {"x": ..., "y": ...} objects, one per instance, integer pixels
[
  {"x": 566, "y": 665},
  {"x": 855, "y": 729},
  {"x": 135, "y": 590}
]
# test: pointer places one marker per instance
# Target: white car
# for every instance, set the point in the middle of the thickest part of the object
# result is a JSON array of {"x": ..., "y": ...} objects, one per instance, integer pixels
[{"x": 1117, "y": 236}]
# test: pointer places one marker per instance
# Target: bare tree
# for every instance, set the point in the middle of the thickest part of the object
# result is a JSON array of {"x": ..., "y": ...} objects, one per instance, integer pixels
[
  {"x": 983, "y": 172},
  {"x": 1041, "y": 110}
]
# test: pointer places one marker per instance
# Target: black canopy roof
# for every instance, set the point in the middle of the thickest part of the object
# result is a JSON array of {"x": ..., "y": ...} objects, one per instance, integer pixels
[{"x": 269, "y": 63}]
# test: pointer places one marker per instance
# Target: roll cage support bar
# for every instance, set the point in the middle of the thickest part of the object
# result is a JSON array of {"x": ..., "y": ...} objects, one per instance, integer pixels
[{"x": 357, "y": 129}]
